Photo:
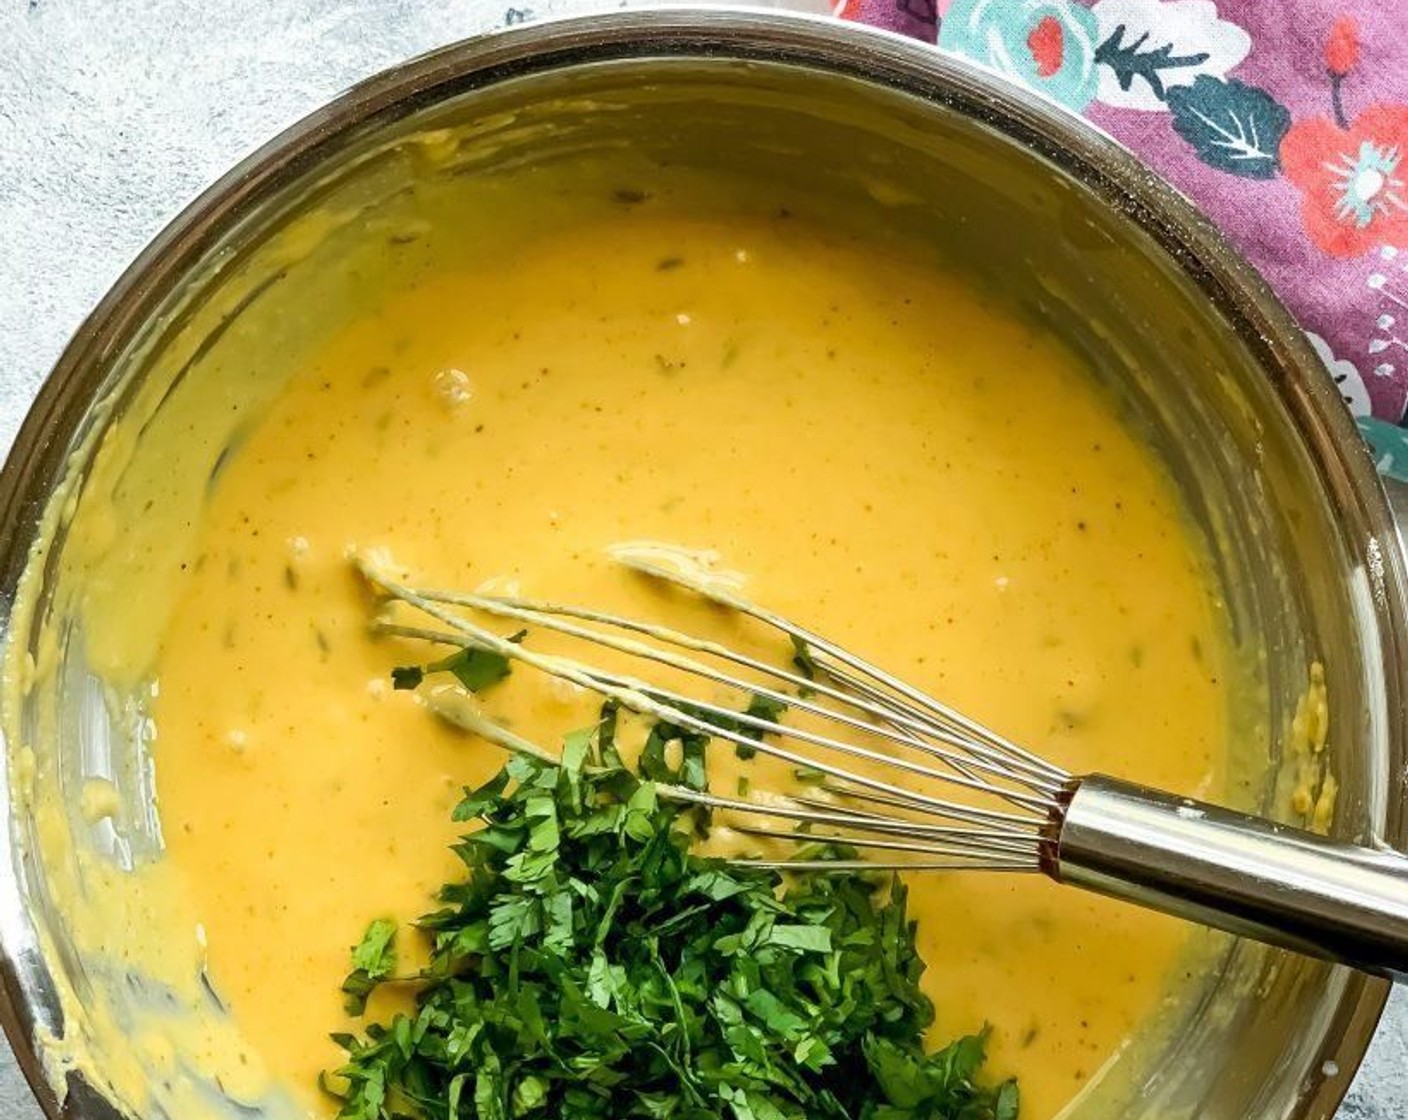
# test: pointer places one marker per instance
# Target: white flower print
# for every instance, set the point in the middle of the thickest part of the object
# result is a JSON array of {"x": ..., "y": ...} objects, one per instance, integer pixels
[
  {"x": 1346, "y": 375},
  {"x": 1147, "y": 47}
]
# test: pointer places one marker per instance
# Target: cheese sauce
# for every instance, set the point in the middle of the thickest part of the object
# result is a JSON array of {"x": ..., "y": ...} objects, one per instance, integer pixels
[{"x": 885, "y": 454}]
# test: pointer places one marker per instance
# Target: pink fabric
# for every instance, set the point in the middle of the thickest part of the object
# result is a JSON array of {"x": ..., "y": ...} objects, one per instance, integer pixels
[{"x": 1285, "y": 120}]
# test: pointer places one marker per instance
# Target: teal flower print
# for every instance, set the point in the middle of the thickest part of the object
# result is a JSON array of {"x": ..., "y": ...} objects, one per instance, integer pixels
[
  {"x": 1048, "y": 45},
  {"x": 1389, "y": 443},
  {"x": 1365, "y": 183}
]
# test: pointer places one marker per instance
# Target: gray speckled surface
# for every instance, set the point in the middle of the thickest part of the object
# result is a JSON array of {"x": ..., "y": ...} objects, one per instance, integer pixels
[{"x": 114, "y": 114}]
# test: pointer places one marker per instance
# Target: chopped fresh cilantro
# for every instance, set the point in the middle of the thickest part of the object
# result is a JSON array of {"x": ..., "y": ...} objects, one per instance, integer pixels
[
  {"x": 590, "y": 966},
  {"x": 373, "y": 961},
  {"x": 804, "y": 662},
  {"x": 764, "y": 707},
  {"x": 691, "y": 769},
  {"x": 407, "y": 676},
  {"x": 655, "y": 756},
  {"x": 475, "y": 668},
  {"x": 759, "y": 707},
  {"x": 606, "y": 733}
]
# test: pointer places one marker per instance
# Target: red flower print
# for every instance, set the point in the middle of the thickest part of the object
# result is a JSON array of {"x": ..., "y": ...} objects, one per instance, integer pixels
[
  {"x": 1342, "y": 49},
  {"x": 1047, "y": 44},
  {"x": 1351, "y": 171},
  {"x": 1353, "y": 179}
]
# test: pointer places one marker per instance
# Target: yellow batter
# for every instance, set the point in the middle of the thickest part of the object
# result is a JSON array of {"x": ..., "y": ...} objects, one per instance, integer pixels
[{"x": 888, "y": 457}]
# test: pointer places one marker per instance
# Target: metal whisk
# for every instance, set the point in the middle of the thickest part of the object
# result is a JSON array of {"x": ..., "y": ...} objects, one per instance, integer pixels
[{"x": 1229, "y": 870}]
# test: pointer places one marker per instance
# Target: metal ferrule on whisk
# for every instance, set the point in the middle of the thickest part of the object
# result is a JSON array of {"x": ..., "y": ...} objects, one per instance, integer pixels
[{"x": 1239, "y": 873}]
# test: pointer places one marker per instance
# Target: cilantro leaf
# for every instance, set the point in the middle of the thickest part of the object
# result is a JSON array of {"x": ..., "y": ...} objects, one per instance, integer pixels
[
  {"x": 373, "y": 960},
  {"x": 804, "y": 663},
  {"x": 759, "y": 707},
  {"x": 475, "y": 668},
  {"x": 407, "y": 677},
  {"x": 807, "y": 938}
]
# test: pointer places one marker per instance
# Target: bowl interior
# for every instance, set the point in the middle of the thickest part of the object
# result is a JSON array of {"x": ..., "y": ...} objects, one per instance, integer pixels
[{"x": 935, "y": 161}]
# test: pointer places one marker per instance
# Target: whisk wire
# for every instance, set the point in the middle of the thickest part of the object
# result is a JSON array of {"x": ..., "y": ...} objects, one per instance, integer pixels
[
  {"x": 898, "y": 715},
  {"x": 819, "y": 644},
  {"x": 994, "y": 839},
  {"x": 814, "y": 812},
  {"x": 894, "y": 724}
]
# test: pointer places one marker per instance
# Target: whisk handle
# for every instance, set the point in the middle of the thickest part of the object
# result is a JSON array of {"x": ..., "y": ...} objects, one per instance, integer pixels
[{"x": 1238, "y": 873}]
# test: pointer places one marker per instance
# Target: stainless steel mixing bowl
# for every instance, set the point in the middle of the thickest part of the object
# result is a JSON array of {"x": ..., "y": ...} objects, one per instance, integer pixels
[{"x": 1034, "y": 205}]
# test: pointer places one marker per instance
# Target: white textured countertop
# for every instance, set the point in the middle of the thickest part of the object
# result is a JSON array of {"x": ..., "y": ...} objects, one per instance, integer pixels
[{"x": 114, "y": 113}]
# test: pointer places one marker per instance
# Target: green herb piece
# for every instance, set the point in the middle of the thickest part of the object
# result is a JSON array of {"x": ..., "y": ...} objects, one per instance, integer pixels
[
  {"x": 804, "y": 663},
  {"x": 759, "y": 707},
  {"x": 693, "y": 744},
  {"x": 475, "y": 668},
  {"x": 590, "y": 966},
  {"x": 606, "y": 733},
  {"x": 690, "y": 771},
  {"x": 373, "y": 961},
  {"x": 407, "y": 677}
]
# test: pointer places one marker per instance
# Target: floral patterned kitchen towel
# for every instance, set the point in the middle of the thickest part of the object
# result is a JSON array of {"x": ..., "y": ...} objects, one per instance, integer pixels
[{"x": 1285, "y": 120}]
